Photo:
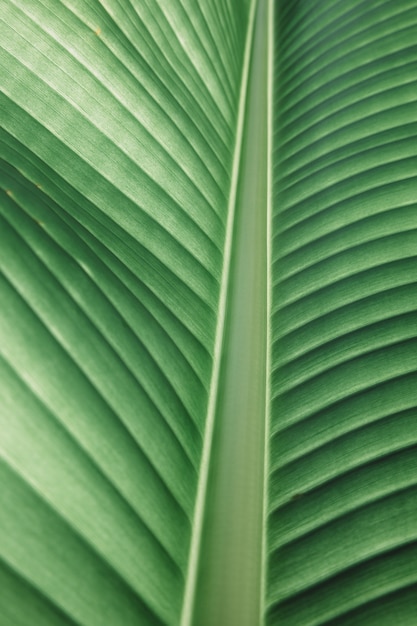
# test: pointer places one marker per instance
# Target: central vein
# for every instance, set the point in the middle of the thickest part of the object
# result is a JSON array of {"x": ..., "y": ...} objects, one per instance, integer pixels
[{"x": 229, "y": 581}]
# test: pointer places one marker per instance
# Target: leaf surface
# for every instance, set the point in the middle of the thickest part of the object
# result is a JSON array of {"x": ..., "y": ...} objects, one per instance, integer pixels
[
  {"x": 343, "y": 470},
  {"x": 118, "y": 130}
]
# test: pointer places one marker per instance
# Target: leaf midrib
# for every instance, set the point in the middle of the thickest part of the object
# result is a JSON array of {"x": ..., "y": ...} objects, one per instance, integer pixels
[{"x": 229, "y": 577}]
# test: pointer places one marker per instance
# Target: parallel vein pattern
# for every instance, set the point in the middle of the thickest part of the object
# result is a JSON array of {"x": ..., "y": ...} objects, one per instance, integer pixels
[
  {"x": 117, "y": 133},
  {"x": 343, "y": 481}
]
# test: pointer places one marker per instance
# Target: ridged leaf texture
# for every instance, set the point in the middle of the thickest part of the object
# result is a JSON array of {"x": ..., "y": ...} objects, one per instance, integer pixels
[
  {"x": 141, "y": 143},
  {"x": 117, "y": 142},
  {"x": 343, "y": 506}
]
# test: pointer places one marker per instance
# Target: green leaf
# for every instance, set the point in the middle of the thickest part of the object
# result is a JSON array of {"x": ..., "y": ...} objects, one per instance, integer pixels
[
  {"x": 207, "y": 325},
  {"x": 118, "y": 134},
  {"x": 343, "y": 470}
]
